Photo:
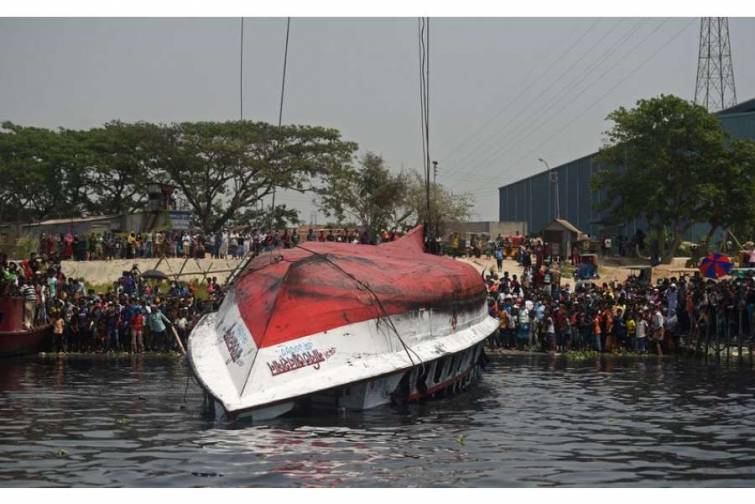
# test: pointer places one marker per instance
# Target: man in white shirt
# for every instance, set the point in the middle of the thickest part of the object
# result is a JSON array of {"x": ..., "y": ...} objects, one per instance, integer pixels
[
  {"x": 657, "y": 328},
  {"x": 642, "y": 328}
]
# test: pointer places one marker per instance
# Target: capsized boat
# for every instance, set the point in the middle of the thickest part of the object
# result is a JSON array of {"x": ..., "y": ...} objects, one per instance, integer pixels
[{"x": 340, "y": 325}]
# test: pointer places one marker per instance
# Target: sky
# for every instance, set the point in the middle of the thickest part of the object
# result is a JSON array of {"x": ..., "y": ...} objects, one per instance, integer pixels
[{"x": 503, "y": 92}]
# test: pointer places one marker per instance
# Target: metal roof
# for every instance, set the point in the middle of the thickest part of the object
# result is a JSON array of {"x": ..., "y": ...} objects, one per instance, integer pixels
[
  {"x": 564, "y": 223},
  {"x": 745, "y": 106}
]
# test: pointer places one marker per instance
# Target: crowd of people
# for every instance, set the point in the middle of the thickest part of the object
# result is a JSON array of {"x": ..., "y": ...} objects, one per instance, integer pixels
[
  {"x": 175, "y": 243},
  {"x": 537, "y": 313},
  {"x": 134, "y": 315}
]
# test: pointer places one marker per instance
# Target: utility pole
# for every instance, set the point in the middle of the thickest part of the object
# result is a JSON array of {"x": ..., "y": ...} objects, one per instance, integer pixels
[
  {"x": 553, "y": 177},
  {"x": 435, "y": 217},
  {"x": 714, "y": 87}
]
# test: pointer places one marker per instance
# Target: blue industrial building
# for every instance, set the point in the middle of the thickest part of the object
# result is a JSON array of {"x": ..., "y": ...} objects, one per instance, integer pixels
[{"x": 533, "y": 199}]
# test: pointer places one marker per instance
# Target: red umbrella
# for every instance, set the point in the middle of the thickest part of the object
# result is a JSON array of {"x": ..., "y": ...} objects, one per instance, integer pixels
[{"x": 715, "y": 265}]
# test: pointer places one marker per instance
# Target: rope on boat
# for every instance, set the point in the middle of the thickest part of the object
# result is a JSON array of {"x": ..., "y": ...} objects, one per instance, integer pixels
[{"x": 366, "y": 287}]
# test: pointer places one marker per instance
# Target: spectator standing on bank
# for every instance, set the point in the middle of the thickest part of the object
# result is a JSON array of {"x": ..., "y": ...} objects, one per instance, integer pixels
[
  {"x": 156, "y": 323},
  {"x": 137, "y": 330}
]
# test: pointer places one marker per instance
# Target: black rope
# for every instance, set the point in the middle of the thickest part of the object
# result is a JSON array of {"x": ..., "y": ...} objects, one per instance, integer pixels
[
  {"x": 280, "y": 110},
  {"x": 366, "y": 287},
  {"x": 241, "y": 73},
  {"x": 186, "y": 388}
]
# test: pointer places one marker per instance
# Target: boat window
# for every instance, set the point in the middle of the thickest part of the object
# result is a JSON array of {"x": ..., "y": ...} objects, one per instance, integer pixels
[
  {"x": 452, "y": 366},
  {"x": 439, "y": 368}
]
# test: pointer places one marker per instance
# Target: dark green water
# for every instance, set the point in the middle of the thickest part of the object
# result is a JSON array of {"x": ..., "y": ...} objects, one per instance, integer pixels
[{"x": 532, "y": 421}]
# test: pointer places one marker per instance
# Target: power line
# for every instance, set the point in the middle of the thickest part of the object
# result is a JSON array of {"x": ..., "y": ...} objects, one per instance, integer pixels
[
  {"x": 596, "y": 102},
  {"x": 455, "y": 149},
  {"x": 280, "y": 109},
  {"x": 525, "y": 133},
  {"x": 241, "y": 73},
  {"x": 524, "y": 108},
  {"x": 546, "y": 110},
  {"x": 423, "y": 30}
]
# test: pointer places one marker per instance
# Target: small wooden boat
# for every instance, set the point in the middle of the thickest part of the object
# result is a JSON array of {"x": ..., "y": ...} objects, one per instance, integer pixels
[
  {"x": 15, "y": 339},
  {"x": 342, "y": 326}
]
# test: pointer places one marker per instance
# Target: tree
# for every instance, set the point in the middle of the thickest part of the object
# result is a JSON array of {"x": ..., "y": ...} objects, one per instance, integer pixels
[
  {"x": 446, "y": 207},
  {"x": 728, "y": 204},
  {"x": 223, "y": 169},
  {"x": 43, "y": 174},
  {"x": 259, "y": 218},
  {"x": 118, "y": 163},
  {"x": 368, "y": 194},
  {"x": 668, "y": 150}
]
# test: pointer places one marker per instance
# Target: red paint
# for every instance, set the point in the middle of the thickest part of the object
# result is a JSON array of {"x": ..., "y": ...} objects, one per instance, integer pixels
[
  {"x": 14, "y": 338},
  {"x": 11, "y": 314},
  {"x": 287, "y": 294}
]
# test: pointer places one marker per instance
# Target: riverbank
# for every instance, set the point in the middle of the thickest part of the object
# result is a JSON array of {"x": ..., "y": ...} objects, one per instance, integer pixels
[
  {"x": 580, "y": 355},
  {"x": 610, "y": 269},
  {"x": 107, "y": 355}
]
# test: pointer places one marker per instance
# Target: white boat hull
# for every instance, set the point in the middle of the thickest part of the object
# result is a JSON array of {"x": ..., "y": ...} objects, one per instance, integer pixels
[
  {"x": 448, "y": 374},
  {"x": 320, "y": 364}
]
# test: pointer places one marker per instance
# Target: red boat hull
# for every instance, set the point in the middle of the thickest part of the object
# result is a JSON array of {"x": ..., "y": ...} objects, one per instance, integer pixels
[{"x": 23, "y": 342}]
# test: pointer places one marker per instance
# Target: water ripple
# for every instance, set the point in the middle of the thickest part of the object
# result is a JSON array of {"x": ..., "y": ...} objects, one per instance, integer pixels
[{"x": 532, "y": 421}]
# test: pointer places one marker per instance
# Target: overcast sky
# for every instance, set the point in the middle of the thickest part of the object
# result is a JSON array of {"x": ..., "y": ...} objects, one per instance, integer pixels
[{"x": 504, "y": 92}]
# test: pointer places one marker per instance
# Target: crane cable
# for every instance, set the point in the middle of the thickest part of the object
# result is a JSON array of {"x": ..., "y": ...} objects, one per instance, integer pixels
[
  {"x": 423, "y": 33},
  {"x": 280, "y": 110}
]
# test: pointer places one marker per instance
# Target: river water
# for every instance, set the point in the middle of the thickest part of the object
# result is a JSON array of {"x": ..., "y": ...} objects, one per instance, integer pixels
[{"x": 533, "y": 420}]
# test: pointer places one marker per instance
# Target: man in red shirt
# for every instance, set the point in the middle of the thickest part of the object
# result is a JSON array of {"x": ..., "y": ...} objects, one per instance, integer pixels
[{"x": 137, "y": 328}]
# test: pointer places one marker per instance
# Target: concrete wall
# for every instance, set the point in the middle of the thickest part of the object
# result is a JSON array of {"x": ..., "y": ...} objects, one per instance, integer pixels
[{"x": 107, "y": 272}]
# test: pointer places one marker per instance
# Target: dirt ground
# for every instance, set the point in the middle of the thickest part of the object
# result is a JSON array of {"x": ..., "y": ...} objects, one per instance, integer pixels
[
  {"x": 107, "y": 272},
  {"x": 614, "y": 269}
]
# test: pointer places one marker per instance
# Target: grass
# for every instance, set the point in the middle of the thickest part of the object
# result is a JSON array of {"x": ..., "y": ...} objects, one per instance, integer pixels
[
  {"x": 162, "y": 289},
  {"x": 582, "y": 355},
  {"x": 111, "y": 355},
  {"x": 567, "y": 270},
  {"x": 577, "y": 355}
]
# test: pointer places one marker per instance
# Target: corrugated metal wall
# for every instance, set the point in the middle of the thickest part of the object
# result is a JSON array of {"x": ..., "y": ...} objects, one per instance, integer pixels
[{"x": 533, "y": 199}]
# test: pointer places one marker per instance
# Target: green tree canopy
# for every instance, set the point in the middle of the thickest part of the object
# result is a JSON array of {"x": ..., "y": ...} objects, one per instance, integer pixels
[
  {"x": 118, "y": 166},
  {"x": 446, "y": 207},
  {"x": 667, "y": 162},
  {"x": 42, "y": 173},
  {"x": 223, "y": 169},
  {"x": 368, "y": 194},
  {"x": 733, "y": 201}
]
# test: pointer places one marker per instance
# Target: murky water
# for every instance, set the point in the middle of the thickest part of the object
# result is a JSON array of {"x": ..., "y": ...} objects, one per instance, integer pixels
[{"x": 532, "y": 421}]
